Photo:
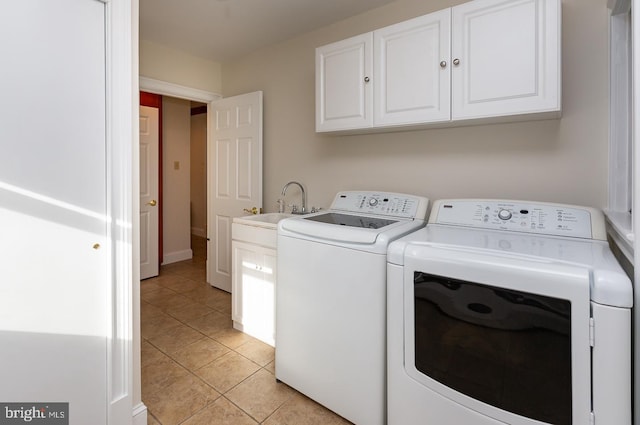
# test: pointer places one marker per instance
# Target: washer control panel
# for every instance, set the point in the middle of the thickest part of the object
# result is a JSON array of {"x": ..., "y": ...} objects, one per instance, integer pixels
[
  {"x": 382, "y": 203},
  {"x": 520, "y": 216}
]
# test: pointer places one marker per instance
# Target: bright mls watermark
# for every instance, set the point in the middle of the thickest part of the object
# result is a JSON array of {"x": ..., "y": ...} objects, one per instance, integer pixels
[{"x": 34, "y": 413}]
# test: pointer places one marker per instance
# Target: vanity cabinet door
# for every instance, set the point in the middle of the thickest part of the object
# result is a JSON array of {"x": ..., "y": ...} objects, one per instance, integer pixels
[
  {"x": 506, "y": 58},
  {"x": 344, "y": 84},
  {"x": 253, "y": 290},
  {"x": 412, "y": 71}
]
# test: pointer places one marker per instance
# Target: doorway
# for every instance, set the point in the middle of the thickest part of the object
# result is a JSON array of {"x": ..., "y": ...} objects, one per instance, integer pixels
[
  {"x": 198, "y": 170},
  {"x": 186, "y": 95},
  {"x": 176, "y": 169}
]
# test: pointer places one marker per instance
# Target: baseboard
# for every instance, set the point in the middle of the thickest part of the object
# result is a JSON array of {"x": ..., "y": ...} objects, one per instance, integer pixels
[
  {"x": 140, "y": 414},
  {"x": 174, "y": 257},
  {"x": 199, "y": 232}
]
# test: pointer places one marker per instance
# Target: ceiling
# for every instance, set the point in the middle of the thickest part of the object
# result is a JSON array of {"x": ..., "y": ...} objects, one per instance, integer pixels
[{"x": 221, "y": 30}]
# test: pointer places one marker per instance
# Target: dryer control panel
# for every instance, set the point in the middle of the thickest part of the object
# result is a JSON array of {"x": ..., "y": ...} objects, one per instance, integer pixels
[
  {"x": 382, "y": 203},
  {"x": 521, "y": 216}
]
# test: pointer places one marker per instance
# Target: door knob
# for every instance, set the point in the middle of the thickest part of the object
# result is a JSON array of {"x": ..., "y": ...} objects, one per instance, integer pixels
[
  {"x": 153, "y": 203},
  {"x": 253, "y": 210}
]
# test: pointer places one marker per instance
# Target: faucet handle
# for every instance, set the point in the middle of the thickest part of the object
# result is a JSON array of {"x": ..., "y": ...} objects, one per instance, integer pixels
[{"x": 294, "y": 209}]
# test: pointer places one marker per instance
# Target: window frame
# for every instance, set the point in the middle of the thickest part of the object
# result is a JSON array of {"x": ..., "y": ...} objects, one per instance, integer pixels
[{"x": 621, "y": 136}]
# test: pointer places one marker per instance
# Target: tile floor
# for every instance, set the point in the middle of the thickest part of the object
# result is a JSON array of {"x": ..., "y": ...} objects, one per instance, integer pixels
[{"x": 198, "y": 370}]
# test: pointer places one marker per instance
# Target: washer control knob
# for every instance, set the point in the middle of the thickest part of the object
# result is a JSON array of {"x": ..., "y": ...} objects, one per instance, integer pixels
[
  {"x": 504, "y": 214},
  {"x": 373, "y": 202}
]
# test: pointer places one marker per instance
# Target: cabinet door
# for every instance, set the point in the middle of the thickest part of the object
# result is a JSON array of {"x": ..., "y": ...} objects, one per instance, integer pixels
[
  {"x": 240, "y": 253},
  {"x": 344, "y": 84},
  {"x": 253, "y": 294},
  {"x": 509, "y": 58},
  {"x": 411, "y": 66}
]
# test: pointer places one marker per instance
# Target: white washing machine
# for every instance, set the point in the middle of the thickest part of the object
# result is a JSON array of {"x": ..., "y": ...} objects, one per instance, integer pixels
[
  {"x": 331, "y": 300},
  {"x": 508, "y": 312}
]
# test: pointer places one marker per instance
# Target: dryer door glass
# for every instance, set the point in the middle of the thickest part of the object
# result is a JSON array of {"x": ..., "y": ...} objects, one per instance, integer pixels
[{"x": 506, "y": 348}]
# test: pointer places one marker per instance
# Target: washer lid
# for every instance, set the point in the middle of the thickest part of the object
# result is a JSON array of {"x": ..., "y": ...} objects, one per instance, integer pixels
[
  {"x": 334, "y": 226},
  {"x": 351, "y": 220}
]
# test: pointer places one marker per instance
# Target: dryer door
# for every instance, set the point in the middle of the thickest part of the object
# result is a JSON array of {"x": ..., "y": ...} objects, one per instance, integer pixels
[{"x": 504, "y": 335}]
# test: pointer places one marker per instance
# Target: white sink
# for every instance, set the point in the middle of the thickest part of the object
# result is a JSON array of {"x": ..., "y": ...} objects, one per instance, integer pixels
[
  {"x": 269, "y": 220},
  {"x": 259, "y": 229}
]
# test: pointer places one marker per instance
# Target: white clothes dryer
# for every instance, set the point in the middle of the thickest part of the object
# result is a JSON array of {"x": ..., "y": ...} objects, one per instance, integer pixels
[
  {"x": 508, "y": 312},
  {"x": 331, "y": 300}
]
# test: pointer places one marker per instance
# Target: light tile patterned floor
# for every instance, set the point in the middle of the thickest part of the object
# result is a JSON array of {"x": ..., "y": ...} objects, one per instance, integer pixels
[{"x": 198, "y": 370}]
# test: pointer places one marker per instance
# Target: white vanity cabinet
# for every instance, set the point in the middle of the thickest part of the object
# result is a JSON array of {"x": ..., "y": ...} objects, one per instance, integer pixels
[
  {"x": 253, "y": 274},
  {"x": 485, "y": 59},
  {"x": 253, "y": 290}
]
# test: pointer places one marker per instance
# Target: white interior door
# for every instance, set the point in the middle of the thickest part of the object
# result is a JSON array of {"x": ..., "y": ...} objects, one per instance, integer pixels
[
  {"x": 149, "y": 208},
  {"x": 56, "y": 274},
  {"x": 234, "y": 170}
]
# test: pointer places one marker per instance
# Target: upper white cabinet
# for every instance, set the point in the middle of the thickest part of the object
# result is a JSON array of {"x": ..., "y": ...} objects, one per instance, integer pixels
[
  {"x": 486, "y": 59},
  {"x": 506, "y": 58},
  {"x": 343, "y": 84},
  {"x": 411, "y": 75}
]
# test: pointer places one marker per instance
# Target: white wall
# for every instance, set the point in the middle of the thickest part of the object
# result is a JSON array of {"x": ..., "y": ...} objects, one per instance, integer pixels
[
  {"x": 199, "y": 175},
  {"x": 558, "y": 160},
  {"x": 169, "y": 65},
  {"x": 176, "y": 146}
]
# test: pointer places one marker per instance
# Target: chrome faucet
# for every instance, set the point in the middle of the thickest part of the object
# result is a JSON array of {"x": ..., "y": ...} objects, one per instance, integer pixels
[{"x": 294, "y": 210}]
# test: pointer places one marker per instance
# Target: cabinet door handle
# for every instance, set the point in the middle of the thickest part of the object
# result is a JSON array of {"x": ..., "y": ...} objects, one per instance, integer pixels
[
  {"x": 456, "y": 61},
  {"x": 366, "y": 79},
  {"x": 443, "y": 64}
]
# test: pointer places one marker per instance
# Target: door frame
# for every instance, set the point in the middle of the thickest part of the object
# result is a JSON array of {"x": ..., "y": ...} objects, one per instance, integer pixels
[
  {"x": 164, "y": 88},
  {"x": 122, "y": 113},
  {"x": 175, "y": 90}
]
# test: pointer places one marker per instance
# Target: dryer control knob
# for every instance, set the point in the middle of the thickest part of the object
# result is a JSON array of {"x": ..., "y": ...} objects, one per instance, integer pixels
[
  {"x": 373, "y": 202},
  {"x": 504, "y": 214}
]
